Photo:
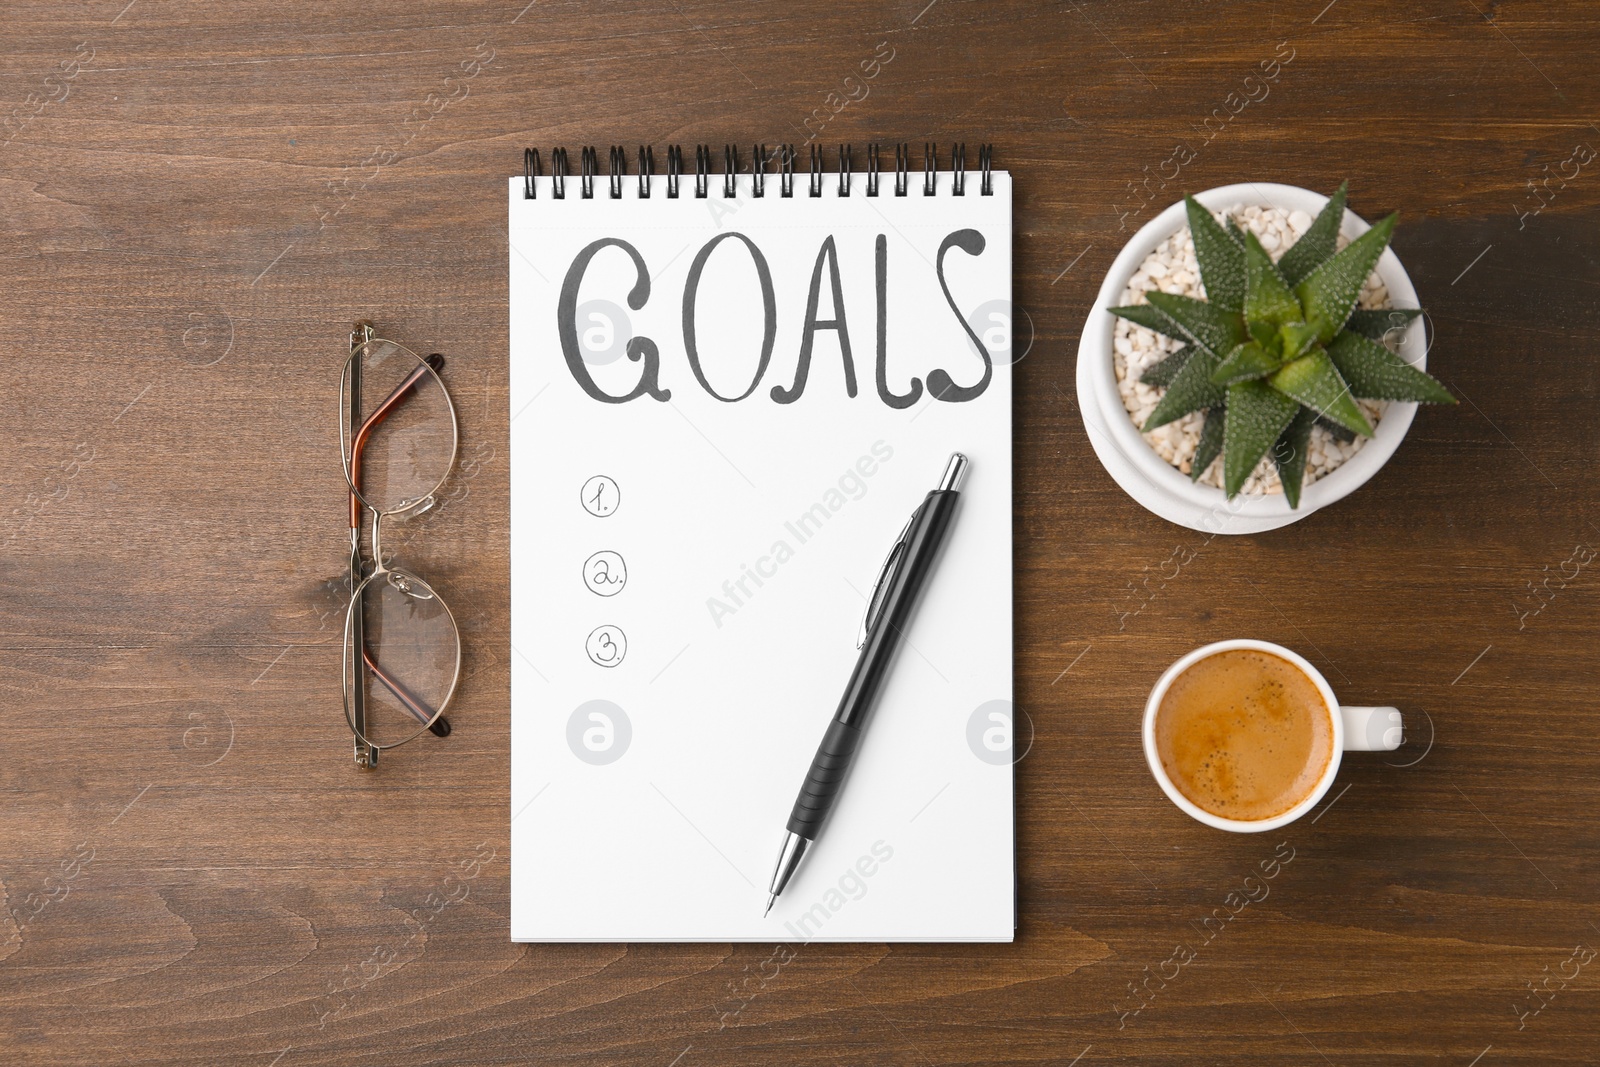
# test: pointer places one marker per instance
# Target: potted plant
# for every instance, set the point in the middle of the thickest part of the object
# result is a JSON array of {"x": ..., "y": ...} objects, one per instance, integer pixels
[{"x": 1237, "y": 373}]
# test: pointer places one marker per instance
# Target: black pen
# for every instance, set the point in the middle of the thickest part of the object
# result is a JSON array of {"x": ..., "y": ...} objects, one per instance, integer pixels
[{"x": 904, "y": 572}]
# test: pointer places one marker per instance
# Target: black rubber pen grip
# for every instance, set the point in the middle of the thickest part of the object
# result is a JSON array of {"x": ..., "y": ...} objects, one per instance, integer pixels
[{"x": 822, "y": 782}]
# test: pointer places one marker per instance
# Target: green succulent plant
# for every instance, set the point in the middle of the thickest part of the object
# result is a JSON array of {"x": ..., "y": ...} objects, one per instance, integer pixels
[{"x": 1277, "y": 347}]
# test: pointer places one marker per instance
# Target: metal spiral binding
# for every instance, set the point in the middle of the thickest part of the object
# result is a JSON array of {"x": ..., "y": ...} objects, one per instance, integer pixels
[
  {"x": 591, "y": 166},
  {"x": 558, "y": 173},
  {"x": 647, "y": 169},
  {"x": 702, "y": 170},
  {"x": 530, "y": 171},
  {"x": 619, "y": 167},
  {"x": 674, "y": 170},
  {"x": 785, "y": 155}
]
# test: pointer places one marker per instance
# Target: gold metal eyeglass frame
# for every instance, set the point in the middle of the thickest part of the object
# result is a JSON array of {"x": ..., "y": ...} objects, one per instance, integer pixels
[{"x": 354, "y": 431}]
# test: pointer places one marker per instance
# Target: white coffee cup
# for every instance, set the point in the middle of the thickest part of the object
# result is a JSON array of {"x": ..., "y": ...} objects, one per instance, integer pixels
[{"x": 1355, "y": 729}]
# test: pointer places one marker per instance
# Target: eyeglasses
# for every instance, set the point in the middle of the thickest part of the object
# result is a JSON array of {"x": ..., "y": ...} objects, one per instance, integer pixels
[{"x": 402, "y": 650}]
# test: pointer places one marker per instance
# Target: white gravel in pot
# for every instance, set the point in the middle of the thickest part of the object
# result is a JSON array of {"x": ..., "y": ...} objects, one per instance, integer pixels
[{"x": 1172, "y": 268}]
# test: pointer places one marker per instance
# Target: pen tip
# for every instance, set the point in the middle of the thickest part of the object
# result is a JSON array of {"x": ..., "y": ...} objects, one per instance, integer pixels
[{"x": 770, "y": 898}]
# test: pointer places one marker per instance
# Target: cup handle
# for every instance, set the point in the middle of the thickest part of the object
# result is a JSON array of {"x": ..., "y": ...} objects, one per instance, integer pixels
[{"x": 1372, "y": 729}]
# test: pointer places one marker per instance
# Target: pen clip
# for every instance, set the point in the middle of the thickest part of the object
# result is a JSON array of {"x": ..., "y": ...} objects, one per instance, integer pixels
[{"x": 885, "y": 573}]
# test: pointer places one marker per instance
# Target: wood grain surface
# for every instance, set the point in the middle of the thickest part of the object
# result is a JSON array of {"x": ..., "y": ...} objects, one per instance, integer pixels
[{"x": 196, "y": 201}]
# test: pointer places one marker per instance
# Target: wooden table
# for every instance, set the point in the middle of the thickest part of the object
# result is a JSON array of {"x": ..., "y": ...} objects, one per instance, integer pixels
[{"x": 196, "y": 201}]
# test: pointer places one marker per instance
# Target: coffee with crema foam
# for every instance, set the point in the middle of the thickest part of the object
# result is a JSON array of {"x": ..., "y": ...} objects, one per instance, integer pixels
[{"x": 1244, "y": 734}]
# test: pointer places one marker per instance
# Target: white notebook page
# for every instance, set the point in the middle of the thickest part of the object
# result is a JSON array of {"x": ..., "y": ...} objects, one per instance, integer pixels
[{"x": 689, "y": 574}]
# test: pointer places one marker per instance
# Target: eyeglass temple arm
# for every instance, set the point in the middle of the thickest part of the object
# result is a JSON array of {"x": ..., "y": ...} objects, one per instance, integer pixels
[
  {"x": 439, "y": 726},
  {"x": 358, "y": 442},
  {"x": 366, "y": 755}
]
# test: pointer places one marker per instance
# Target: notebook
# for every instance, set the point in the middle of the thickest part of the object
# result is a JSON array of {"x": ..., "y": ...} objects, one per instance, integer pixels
[{"x": 725, "y": 403}]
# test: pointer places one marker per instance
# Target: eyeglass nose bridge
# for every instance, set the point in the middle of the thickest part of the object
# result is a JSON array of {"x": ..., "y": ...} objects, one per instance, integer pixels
[{"x": 407, "y": 509}]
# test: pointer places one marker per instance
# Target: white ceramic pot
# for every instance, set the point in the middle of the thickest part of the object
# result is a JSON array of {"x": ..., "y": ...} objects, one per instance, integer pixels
[{"x": 1154, "y": 482}]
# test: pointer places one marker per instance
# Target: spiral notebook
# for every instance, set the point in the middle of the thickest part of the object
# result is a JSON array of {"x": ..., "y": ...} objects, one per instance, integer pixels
[{"x": 730, "y": 387}]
